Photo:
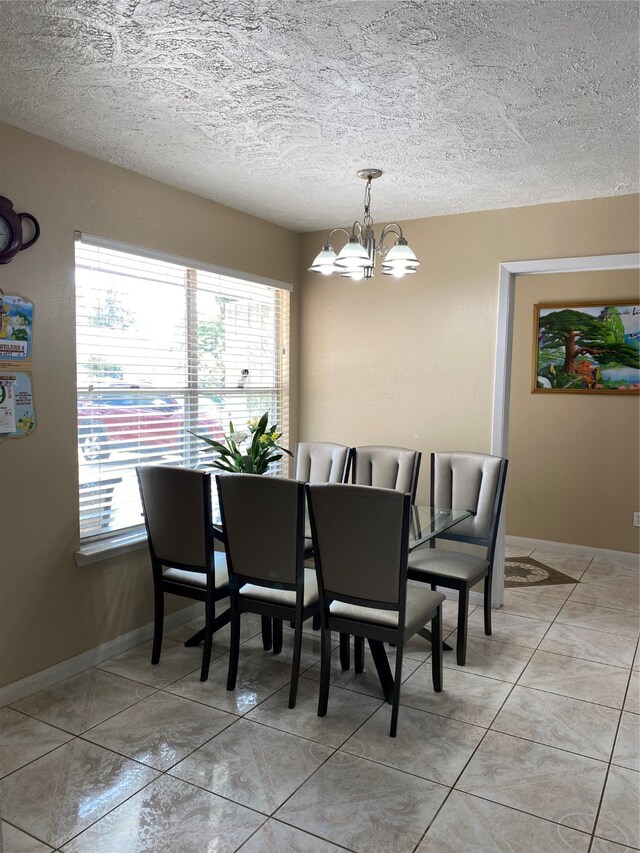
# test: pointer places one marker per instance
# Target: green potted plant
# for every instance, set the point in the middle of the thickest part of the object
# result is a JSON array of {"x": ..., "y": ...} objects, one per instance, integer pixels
[{"x": 261, "y": 450}]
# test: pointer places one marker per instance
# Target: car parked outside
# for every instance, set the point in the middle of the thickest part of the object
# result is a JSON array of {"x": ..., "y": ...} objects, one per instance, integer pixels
[{"x": 113, "y": 419}]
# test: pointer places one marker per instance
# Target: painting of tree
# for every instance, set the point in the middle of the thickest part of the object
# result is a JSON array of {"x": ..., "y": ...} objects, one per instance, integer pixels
[{"x": 587, "y": 348}]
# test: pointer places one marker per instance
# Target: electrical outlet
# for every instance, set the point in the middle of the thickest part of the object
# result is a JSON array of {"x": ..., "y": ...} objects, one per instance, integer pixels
[{"x": 636, "y": 519}]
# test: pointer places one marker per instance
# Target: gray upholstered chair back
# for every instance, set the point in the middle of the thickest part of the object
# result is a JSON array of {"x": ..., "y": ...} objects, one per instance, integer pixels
[
  {"x": 263, "y": 520},
  {"x": 387, "y": 468},
  {"x": 474, "y": 481},
  {"x": 358, "y": 539},
  {"x": 322, "y": 462},
  {"x": 177, "y": 508}
]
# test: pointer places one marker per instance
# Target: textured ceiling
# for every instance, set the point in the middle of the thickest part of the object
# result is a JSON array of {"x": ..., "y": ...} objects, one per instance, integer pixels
[{"x": 271, "y": 107}]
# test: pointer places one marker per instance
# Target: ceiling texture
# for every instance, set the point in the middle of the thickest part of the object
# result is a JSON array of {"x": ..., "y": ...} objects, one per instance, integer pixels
[{"x": 272, "y": 107}]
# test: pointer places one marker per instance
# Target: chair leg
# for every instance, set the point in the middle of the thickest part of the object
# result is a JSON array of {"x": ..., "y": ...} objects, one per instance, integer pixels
[
  {"x": 266, "y": 633},
  {"x": 395, "y": 705},
  {"x": 316, "y": 622},
  {"x": 277, "y": 636},
  {"x": 358, "y": 654},
  {"x": 436, "y": 650},
  {"x": 210, "y": 615},
  {"x": 345, "y": 651},
  {"x": 325, "y": 671},
  {"x": 487, "y": 604},
  {"x": 463, "y": 616},
  {"x": 295, "y": 663},
  {"x": 158, "y": 623},
  {"x": 234, "y": 647}
]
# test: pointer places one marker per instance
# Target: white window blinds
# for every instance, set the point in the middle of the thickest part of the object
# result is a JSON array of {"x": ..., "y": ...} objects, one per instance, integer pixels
[{"x": 163, "y": 349}]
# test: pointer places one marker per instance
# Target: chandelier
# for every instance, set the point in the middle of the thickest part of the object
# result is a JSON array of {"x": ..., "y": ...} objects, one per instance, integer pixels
[{"x": 357, "y": 258}]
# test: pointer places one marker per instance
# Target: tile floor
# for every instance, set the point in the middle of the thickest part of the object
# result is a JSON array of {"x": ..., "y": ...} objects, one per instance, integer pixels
[{"x": 532, "y": 746}]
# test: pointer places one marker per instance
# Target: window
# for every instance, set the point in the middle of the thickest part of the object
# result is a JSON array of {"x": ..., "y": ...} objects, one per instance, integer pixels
[{"x": 166, "y": 349}]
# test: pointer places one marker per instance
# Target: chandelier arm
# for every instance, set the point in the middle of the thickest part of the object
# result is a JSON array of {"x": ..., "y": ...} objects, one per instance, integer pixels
[
  {"x": 335, "y": 231},
  {"x": 388, "y": 229},
  {"x": 353, "y": 230}
]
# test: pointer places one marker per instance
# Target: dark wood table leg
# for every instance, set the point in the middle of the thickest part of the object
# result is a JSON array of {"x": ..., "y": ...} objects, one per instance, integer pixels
[
  {"x": 425, "y": 633},
  {"x": 382, "y": 667}
]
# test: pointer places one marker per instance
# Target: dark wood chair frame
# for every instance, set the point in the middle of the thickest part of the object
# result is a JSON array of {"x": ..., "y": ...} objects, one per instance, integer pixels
[
  {"x": 210, "y": 595},
  {"x": 297, "y": 615},
  {"x": 358, "y": 645},
  {"x": 461, "y": 586},
  {"x": 375, "y": 633}
]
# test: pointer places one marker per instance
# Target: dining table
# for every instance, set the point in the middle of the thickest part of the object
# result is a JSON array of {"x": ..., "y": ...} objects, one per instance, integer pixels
[{"x": 425, "y": 523}]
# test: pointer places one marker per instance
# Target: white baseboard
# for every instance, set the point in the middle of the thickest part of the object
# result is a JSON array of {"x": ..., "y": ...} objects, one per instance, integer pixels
[
  {"x": 564, "y": 547},
  {"x": 77, "y": 664}
]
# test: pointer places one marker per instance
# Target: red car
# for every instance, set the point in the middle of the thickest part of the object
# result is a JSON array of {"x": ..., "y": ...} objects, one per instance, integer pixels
[{"x": 113, "y": 419}]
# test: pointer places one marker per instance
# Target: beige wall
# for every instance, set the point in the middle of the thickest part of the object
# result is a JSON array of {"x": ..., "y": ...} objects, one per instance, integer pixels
[
  {"x": 410, "y": 362},
  {"x": 51, "y": 610},
  {"x": 574, "y": 460}
]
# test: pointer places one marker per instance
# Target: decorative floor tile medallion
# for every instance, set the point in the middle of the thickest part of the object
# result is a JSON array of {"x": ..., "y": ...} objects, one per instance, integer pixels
[{"x": 525, "y": 571}]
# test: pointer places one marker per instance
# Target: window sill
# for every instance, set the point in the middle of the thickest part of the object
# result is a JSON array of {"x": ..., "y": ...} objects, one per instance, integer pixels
[{"x": 111, "y": 546}]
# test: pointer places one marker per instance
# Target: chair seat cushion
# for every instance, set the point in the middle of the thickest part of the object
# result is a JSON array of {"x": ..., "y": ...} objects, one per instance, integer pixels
[
  {"x": 420, "y": 605},
  {"x": 438, "y": 563},
  {"x": 284, "y": 597},
  {"x": 199, "y": 579}
]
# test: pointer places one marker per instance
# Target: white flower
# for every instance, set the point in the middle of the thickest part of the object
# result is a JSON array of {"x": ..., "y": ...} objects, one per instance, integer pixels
[{"x": 238, "y": 436}]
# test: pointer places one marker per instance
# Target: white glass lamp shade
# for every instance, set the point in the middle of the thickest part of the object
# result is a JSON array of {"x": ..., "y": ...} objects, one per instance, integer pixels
[
  {"x": 353, "y": 257},
  {"x": 324, "y": 262},
  {"x": 354, "y": 276},
  {"x": 400, "y": 259}
]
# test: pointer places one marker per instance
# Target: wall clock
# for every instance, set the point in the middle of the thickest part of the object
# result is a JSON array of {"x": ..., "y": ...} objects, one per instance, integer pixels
[{"x": 11, "y": 234}]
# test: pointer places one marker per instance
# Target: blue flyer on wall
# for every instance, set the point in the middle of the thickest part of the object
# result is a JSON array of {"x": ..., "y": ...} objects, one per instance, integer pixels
[{"x": 16, "y": 324}]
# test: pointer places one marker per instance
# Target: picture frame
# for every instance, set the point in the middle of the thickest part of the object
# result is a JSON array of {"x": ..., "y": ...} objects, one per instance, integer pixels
[{"x": 588, "y": 347}]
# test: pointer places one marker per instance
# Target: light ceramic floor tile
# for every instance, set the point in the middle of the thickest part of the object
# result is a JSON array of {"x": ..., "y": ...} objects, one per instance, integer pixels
[
  {"x": 160, "y": 730},
  {"x": 489, "y": 657},
  {"x": 614, "y": 595},
  {"x": 571, "y": 564},
  {"x": 276, "y": 837},
  {"x": 88, "y": 781},
  {"x": 176, "y": 661},
  {"x": 627, "y": 749},
  {"x": 632, "y": 702},
  {"x": 83, "y": 701},
  {"x": 601, "y": 846},
  {"x": 169, "y": 815},
  {"x": 465, "y": 697},
  {"x": 588, "y": 644},
  {"x": 16, "y": 841},
  {"x": 419, "y": 649},
  {"x": 506, "y": 628},
  {"x": 619, "y": 819},
  {"x": 520, "y": 546},
  {"x": 520, "y": 602},
  {"x": 621, "y": 561},
  {"x": 346, "y": 712},
  {"x": 559, "y": 721},
  {"x": 22, "y": 739},
  {"x": 636, "y": 660},
  {"x": 364, "y": 806},
  {"x": 366, "y": 682},
  {"x": 450, "y": 613},
  {"x": 255, "y": 683},
  {"x": 599, "y": 619},
  {"x": 426, "y": 745},
  {"x": 253, "y": 765},
  {"x": 599, "y": 572},
  {"x": 467, "y": 824},
  {"x": 546, "y": 782},
  {"x": 578, "y": 679}
]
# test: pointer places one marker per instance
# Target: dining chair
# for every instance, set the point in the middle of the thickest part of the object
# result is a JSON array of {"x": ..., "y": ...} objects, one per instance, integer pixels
[
  {"x": 361, "y": 540},
  {"x": 176, "y": 504},
  {"x": 263, "y": 524},
  {"x": 322, "y": 462},
  {"x": 387, "y": 468},
  {"x": 473, "y": 481}
]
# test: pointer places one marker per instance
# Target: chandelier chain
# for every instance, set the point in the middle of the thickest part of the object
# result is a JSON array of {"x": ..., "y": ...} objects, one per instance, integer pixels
[{"x": 368, "y": 221}]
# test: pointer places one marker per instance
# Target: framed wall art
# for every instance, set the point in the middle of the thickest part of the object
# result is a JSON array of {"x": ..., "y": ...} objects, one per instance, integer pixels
[{"x": 586, "y": 348}]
